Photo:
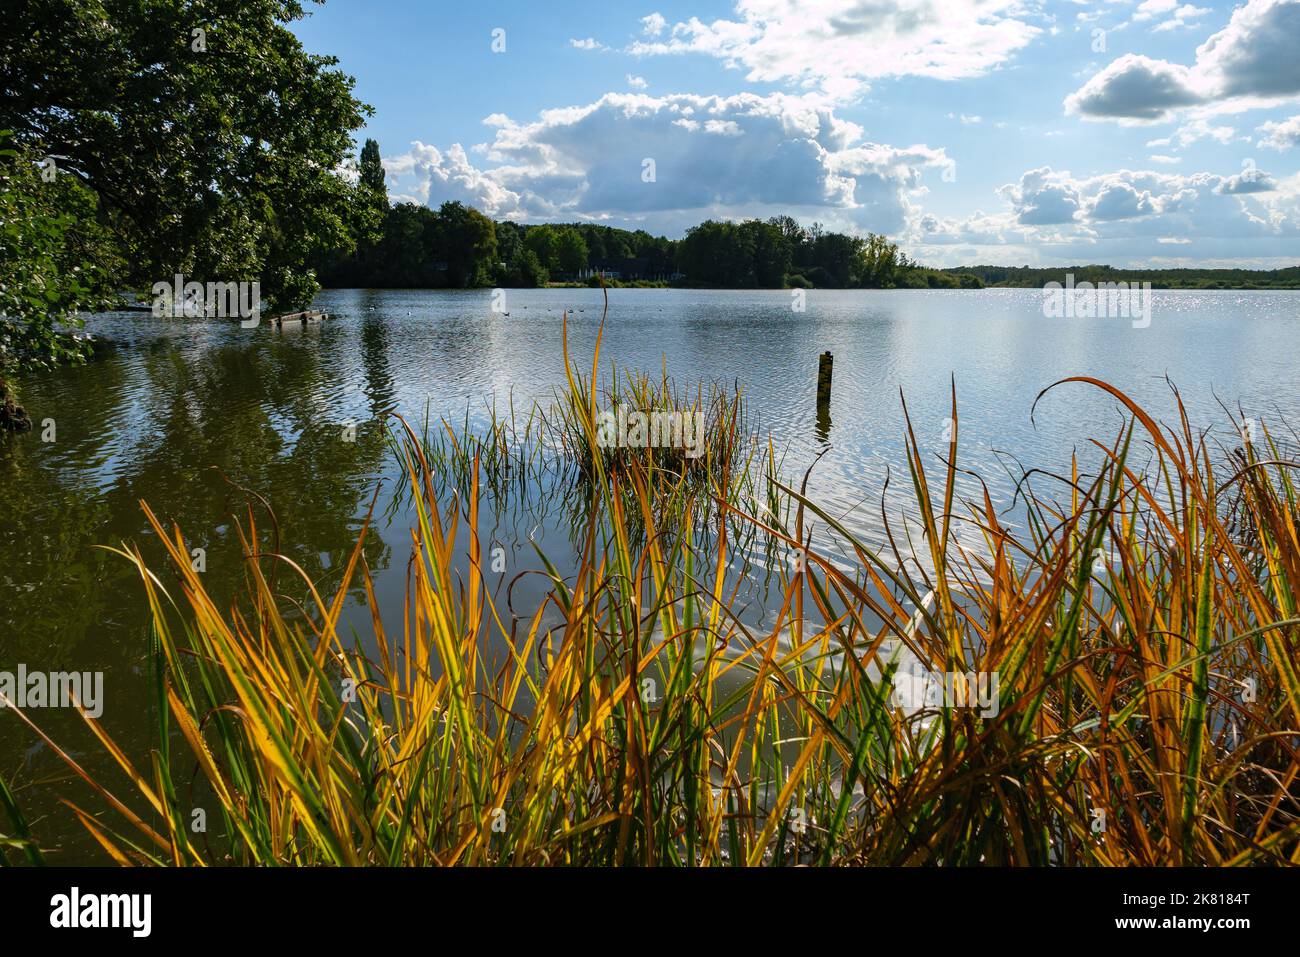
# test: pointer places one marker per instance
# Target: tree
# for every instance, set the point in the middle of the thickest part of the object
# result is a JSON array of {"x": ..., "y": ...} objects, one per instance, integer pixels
[
  {"x": 701, "y": 252},
  {"x": 209, "y": 137},
  {"x": 545, "y": 244},
  {"x": 54, "y": 262},
  {"x": 371, "y": 170},
  {"x": 771, "y": 254},
  {"x": 839, "y": 256},
  {"x": 524, "y": 270},
  {"x": 467, "y": 242},
  {"x": 571, "y": 251},
  {"x": 879, "y": 262}
]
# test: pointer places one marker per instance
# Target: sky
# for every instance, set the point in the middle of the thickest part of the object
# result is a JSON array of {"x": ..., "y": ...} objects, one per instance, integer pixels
[{"x": 1138, "y": 133}]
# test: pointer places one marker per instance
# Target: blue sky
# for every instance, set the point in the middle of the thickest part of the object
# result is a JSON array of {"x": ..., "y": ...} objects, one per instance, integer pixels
[{"x": 1137, "y": 132}]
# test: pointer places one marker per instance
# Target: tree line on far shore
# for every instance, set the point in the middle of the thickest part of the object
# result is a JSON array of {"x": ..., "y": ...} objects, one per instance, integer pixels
[
  {"x": 456, "y": 246},
  {"x": 1038, "y": 276}
]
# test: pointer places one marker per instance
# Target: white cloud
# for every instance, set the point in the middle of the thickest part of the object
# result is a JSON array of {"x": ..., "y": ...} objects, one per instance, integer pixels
[
  {"x": 1054, "y": 203},
  {"x": 637, "y": 82},
  {"x": 1135, "y": 87},
  {"x": 1179, "y": 15},
  {"x": 1184, "y": 17},
  {"x": 1280, "y": 136},
  {"x": 588, "y": 43},
  {"x": 1119, "y": 200},
  {"x": 1124, "y": 217},
  {"x": 1200, "y": 129},
  {"x": 843, "y": 44},
  {"x": 1254, "y": 60},
  {"x": 434, "y": 176},
  {"x": 782, "y": 154},
  {"x": 654, "y": 25},
  {"x": 1043, "y": 198},
  {"x": 1150, "y": 9},
  {"x": 1247, "y": 181}
]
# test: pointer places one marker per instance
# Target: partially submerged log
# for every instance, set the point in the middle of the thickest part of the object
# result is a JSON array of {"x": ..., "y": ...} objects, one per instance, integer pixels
[{"x": 298, "y": 318}]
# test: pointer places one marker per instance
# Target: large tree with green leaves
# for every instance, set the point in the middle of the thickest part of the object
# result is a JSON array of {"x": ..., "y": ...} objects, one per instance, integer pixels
[
  {"x": 55, "y": 260},
  {"x": 211, "y": 139},
  {"x": 468, "y": 241}
]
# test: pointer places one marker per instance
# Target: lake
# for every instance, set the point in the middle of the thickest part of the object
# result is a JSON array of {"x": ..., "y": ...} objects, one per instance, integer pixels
[{"x": 191, "y": 416}]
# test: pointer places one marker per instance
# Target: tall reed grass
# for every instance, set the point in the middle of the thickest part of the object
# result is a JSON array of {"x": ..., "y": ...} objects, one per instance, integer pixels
[{"x": 1142, "y": 625}]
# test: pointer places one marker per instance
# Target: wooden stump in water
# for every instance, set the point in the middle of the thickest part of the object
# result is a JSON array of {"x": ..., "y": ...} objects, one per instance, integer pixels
[{"x": 824, "y": 366}]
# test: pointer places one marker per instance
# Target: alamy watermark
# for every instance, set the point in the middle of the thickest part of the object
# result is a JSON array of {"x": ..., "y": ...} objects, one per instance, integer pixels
[
  {"x": 74, "y": 910},
  {"x": 212, "y": 300},
  {"x": 942, "y": 689},
  {"x": 632, "y": 428},
  {"x": 1103, "y": 300},
  {"x": 25, "y": 689}
]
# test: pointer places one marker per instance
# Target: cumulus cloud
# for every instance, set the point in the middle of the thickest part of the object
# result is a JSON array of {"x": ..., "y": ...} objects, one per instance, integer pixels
[
  {"x": 653, "y": 25},
  {"x": 1200, "y": 129},
  {"x": 1150, "y": 9},
  {"x": 1178, "y": 15},
  {"x": 587, "y": 43},
  {"x": 637, "y": 82},
  {"x": 1043, "y": 198},
  {"x": 428, "y": 175},
  {"x": 1257, "y": 53},
  {"x": 1254, "y": 60},
  {"x": 1247, "y": 181},
  {"x": 1135, "y": 87},
  {"x": 1151, "y": 201},
  {"x": 843, "y": 44},
  {"x": 1122, "y": 216},
  {"x": 1119, "y": 200},
  {"x": 1184, "y": 17},
  {"x": 667, "y": 162},
  {"x": 1280, "y": 136}
]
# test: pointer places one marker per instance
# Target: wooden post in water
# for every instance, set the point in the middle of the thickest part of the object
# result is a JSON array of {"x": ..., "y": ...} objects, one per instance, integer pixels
[{"x": 824, "y": 366}]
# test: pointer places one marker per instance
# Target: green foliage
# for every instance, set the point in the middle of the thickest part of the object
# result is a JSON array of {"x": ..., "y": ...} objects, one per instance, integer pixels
[
  {"x": 372, "y": 170},
  {"x": 572, "y": 252},
  {"x": 544, "y": 243},
  {"x": 524, "y": 270},
  {"x": 468, "y": 242},
  {"x": 53, "y": 259},
  {"x": 422, "y": 248},
  {"x": 780, "y": 252},
  {"x": 209, "y": 136}
]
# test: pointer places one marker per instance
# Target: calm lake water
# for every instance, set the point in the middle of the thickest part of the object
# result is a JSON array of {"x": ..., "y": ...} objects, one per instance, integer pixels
[{"x": 184, "y": 414}]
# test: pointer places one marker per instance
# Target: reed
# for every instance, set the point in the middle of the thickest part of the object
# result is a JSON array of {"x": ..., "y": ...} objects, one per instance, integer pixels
[{"x": 1142, "y": 628}]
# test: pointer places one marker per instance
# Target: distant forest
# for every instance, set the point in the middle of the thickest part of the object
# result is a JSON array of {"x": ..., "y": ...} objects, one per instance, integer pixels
[
  {"x": 456, "y": 246},
  {"x": 1027, "y": 276},
  {"x": 409, "y": 245}
]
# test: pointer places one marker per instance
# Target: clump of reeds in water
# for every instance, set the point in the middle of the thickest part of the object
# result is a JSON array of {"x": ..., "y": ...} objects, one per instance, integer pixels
[
  {"x": 1146, "y": 660},
  {"x": 693, "y": 446}
]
